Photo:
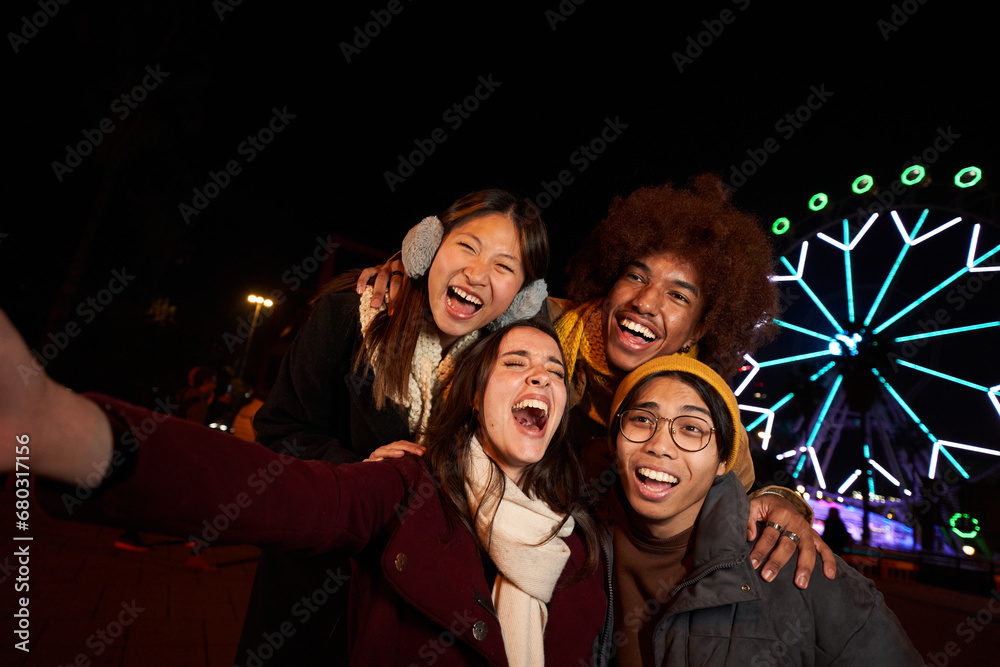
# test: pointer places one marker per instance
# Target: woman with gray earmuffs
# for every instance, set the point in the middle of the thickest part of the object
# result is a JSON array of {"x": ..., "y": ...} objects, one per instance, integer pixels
[{"x": 357, "y": 378}]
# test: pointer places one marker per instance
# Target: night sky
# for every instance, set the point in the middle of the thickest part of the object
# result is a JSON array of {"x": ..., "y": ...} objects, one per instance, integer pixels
[{"x": 169, "y": 158}]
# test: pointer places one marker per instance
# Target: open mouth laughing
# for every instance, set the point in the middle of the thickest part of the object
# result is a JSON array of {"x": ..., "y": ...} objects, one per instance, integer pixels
[
  {"x": 463, "y": 302},
  {"x": 655, "y": 481},
  {"x": 532, "y": 414},
  {"x": 635, "y": 331}
]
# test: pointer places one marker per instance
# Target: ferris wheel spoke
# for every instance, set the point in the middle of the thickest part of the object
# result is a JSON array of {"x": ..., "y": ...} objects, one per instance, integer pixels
[
  {"x": 955, "y": 276},
  {"x": 812, "y": 295},
  {"x": 826, "y": 408},
  {"x": 848, "y": 282},
  {"x": 821, "y": 372},
  {"x": 850, "y": 480},
  {"x": 992, "y": 393},
  {"x": 797, "y": 357},
  {"x": 939, "y": 447},
  {"x": 796, "y": 274},
  {"x": 765, "y": 413},
  {"x": 882, "y": 425},
  {"x": 754, "y": 369},
  {"x": 847, "y": 246},
  {"x": 910, "y": 240},
  {"x": 808, "y": 332},
  {"x": 817, "y": 468},
  {"x": 885, "y": 473},
  {"x": 943, "y": 376},
  {"x": 906, "y": 408},
  {"x": 885, "y": 285},
  {"x": 946, "y": 332},
  {"x": 774, "y": 408},
  {"x": 973, "y": 265}
]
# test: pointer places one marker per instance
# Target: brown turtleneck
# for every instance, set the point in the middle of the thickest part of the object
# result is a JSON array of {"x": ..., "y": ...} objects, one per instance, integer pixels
[{"x": 646, "y": 570}]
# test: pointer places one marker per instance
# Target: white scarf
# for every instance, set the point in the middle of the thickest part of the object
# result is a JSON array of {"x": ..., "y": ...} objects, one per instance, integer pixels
[
  {"x": 528, "y": 567},
  {"x": 430, "y": 368}
]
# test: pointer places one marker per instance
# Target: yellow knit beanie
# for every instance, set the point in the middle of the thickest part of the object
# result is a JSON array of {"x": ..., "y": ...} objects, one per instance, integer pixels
[{"x": 684, "y": 364}]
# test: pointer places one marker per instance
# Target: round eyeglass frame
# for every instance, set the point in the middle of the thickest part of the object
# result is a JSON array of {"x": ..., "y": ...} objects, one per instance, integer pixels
[{"x": 656, "y": 427}]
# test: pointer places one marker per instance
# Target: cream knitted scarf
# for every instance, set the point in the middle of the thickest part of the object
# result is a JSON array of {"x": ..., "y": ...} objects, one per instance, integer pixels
[
  {"x": 430, "y": 369},
  {"x": 528, "y": 561}
]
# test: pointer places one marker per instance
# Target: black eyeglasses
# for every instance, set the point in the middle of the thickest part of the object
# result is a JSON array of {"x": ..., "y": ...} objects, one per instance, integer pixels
[{"x": 692, "y": 434}]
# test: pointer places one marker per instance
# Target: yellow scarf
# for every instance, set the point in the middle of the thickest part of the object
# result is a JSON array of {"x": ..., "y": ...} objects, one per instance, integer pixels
[{"x": 582, "y": 340}]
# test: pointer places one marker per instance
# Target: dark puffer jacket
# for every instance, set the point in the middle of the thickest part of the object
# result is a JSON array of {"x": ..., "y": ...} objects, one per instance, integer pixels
[{"x": 724, "y": 614}]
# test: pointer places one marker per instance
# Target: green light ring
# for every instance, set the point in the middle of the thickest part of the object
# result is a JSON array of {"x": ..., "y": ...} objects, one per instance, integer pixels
[
  {"x": 966, "y": 535},
  {"x": 916, "y": 169},
  {"x": 976, "y": 174},
  {"x": 862, "y": 184},
  {"x": 780, "y": 226},
  {"x": 818, "y": 201}
]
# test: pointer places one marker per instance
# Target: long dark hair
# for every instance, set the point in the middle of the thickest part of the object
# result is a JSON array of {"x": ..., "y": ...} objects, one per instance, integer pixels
[
  {"x": 391, "y": 339},
  {"x": 556, "y": 479}
]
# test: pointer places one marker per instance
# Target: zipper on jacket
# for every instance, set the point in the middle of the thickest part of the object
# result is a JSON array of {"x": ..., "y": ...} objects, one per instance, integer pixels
[
  {"x": 604, "y": 655},
  {"x": 716, "y": 568}
]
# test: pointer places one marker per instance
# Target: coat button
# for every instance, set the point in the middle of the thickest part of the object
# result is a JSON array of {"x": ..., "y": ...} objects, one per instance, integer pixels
[
  {"x": 479, "y": 630},
  {"x": 745, "y": 587},
  {"x": 400, "y": 562}
]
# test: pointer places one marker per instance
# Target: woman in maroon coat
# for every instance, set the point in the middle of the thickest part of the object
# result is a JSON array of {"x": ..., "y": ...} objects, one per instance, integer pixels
[{"x": 476, "y": 554}]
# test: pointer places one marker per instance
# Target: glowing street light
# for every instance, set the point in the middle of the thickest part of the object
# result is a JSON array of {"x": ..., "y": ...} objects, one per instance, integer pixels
[{"x": 259, "y": 301}]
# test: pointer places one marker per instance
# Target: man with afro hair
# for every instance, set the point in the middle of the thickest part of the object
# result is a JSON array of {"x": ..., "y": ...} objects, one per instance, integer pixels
[{"x": 669, "y": 271}]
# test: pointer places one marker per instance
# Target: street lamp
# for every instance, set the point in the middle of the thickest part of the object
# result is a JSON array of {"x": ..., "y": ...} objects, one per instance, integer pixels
[{"x": 259, "y": 301}]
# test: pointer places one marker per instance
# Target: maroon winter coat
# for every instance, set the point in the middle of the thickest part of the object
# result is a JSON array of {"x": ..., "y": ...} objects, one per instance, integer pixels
[{"x": 419, "y": 593}]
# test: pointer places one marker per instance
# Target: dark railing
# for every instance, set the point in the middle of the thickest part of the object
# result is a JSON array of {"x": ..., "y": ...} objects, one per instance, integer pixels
[{"x": 961, "y": 573}]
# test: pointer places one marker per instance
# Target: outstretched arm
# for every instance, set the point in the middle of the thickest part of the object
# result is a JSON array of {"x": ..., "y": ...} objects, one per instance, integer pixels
[
  {"x": 68, "y": 436},
  {"x": 183, "y": 479},
  {"x": 166, "y": 474}
]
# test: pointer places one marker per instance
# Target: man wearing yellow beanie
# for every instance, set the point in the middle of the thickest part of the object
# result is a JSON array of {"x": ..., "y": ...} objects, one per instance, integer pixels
[{"x": 685, "y": 590}]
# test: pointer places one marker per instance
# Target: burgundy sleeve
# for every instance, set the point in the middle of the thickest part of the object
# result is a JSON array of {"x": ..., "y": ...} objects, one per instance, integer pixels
[{"x": 176, "y": 477}]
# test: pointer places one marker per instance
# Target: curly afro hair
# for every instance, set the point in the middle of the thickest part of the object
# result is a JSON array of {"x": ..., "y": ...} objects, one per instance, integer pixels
[{"x": 725, "y": 245}]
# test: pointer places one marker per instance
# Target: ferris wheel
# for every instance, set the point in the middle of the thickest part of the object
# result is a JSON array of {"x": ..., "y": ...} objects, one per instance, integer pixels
[{"x": 886, "y": 375}]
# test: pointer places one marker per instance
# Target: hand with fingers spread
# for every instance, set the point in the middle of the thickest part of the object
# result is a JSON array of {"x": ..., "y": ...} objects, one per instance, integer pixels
[
  {"x": 387, "y": 279},
  {"x": 785, "y": 530},
  {"x": 395, "y": 450}
]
